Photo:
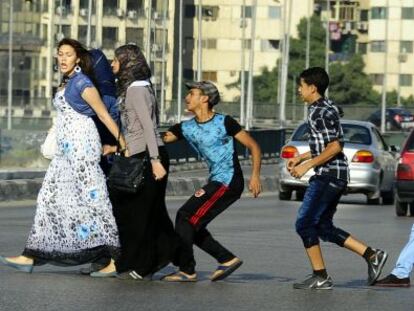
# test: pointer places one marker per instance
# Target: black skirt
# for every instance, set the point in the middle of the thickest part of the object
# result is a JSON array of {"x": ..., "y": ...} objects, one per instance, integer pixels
[{"x": 146, "y": 232}]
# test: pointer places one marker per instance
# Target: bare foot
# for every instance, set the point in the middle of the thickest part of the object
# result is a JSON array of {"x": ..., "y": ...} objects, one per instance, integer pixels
[
  {"x": 109, "y": 268},
  {"x": 21, "y": 260}
]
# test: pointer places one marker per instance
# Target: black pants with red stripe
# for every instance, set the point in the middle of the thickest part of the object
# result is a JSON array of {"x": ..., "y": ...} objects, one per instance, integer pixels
[{"x": 194, "y": 216}]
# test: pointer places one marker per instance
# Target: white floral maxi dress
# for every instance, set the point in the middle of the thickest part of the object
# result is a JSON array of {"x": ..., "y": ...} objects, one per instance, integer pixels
[{"x": 74, "y": 223}]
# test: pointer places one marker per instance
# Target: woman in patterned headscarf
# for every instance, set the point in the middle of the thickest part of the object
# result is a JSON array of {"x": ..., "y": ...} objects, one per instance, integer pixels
[{"x": 148, "y": 240}]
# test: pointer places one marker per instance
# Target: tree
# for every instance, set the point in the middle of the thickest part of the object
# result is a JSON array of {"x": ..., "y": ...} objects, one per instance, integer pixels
[{"x": 349, "y": 84}]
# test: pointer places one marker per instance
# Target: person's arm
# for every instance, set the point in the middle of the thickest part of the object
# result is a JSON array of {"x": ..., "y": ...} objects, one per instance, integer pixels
[
  {"x": 246, "y": 140},
  {"x": 291, "y": 163},
  {"x": 173, "y": 134},
  {"x": 91, "y": 96},
  {"x": 331, "y": 150},
  {"x": 137, "y": 98},
  {"x": 328, "y": 127}
]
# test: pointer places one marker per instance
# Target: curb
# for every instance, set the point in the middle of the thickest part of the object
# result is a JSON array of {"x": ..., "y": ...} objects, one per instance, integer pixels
[
  {"x": 25, "y": 184},
  {"x": 28, "y": 189}
]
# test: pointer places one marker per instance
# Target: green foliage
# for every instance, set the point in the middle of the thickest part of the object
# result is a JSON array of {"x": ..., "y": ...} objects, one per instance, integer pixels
[{"x": 349, "y": 84}]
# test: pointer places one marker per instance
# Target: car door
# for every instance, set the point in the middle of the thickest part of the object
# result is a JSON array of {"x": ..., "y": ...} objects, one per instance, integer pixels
[{"x": 387, "y": 161}]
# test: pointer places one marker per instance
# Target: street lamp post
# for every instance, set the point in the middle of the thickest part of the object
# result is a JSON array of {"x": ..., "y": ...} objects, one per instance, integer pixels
[
  {"x": 10, "y": 79},
  {"x": 327, "y": 38},
  {"x": 249, "y": 108},
  {"x": 88, "y": 29},
  {"x": 384, "y": 82},
  {"x": 164, "y": 33},
  {"x": 180, "y": 62},
  {"x": 307, "y": 59},
  {"x": 199, "y": 42},
  {"x": 242, "y": 69}
]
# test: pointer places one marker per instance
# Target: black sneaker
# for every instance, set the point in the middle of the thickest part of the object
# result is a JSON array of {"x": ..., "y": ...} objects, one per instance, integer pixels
[
  {"x": 393, "y": 281},
  {"x": 375, "y": 264},
  {"x": 315, "y": 282}
]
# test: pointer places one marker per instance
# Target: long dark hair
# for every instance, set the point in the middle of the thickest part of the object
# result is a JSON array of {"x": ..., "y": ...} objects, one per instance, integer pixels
[
  {"x": 133, "y": 66},
  {"x": 85, "y": 61}
]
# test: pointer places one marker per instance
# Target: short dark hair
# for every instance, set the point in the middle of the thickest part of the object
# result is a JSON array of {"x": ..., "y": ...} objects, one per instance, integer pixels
[{"x": 316, "y": 76}]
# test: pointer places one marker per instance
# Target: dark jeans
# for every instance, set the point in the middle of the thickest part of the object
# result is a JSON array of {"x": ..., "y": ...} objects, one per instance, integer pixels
[
  {"x": 315, "y": 216},
  {"x": 193, "y": 217}
]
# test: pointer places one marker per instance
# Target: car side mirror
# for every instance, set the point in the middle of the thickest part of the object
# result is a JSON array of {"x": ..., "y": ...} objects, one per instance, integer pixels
[{"x": 394, "y": 148}]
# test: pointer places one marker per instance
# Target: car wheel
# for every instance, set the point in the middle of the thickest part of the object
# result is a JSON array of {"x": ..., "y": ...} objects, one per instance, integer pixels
[
  {"x": 401, "y": 208},
  {"x": 387, "y": 197},
  {"x": 285, "y": 195},
  {"x": 300, "y": 195},
  {"x": 375, "y": 201}
]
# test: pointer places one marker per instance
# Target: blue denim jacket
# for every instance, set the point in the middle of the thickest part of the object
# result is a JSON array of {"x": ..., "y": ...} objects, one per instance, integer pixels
[{"x": 75, "y": 86}]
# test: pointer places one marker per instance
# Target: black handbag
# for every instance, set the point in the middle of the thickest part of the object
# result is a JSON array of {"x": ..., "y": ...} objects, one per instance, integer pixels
[{"x": 127, "y": 174}]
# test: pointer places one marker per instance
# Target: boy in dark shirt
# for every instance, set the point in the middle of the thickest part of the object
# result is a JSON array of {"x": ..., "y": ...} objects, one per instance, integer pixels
[{"x": 315, "y": 216}]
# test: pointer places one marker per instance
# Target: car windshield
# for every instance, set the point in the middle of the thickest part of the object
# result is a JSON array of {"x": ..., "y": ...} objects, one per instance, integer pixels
[{"x": 354, "y": 134}]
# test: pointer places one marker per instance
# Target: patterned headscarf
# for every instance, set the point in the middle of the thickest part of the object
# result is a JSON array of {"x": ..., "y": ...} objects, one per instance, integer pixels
[{"x": 133, "y": 67}]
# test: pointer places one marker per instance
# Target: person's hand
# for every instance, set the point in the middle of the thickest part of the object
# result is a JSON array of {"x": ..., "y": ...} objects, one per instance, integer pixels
[
  {"x": 300, "y": 170},
  {"x": 169, "y": 137},
  {"x": 158, "y": 170},
  {"x": 255, "y": 187},
  {"x": 291, "y": 163},
  {"x": 108, "y": 149}
]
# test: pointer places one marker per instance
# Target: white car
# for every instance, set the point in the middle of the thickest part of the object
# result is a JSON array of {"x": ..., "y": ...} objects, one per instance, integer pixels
[{"x": 372, "y": 163}]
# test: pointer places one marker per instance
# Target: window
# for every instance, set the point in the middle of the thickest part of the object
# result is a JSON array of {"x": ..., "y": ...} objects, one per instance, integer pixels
[
  {"x": 269, "y": 45},
  {"x": 210, "y": 75},
  {"x": 109, "y": 37},
  {"x": 377, "y": 78},
  {"x": 378, "y": 46},
  {"x": 82, "y": 33},
  {"x": 379, "y": 13},
  {"x": 407, "y": 13},
  {"x": 110, "y": 7},
  {"x": 274, "y": 12},
  {"x": 190, "y": 11},
  {"x": 406, "y": 80},
  {"x": 65, "y": 31},
  {"x": 406, "y": 47},
  {"x": 363, "y": 15},
  {"x": 380, "y": 140},
  {"x": 135, "y": 5},
  {"x": 346, "y": 13},
  {"x": 209, "y": 43},
  {"x": 362, "y": 48},
  {"x": 135, "y": 35},
  {"x": 84, "y": 4},
  {"x": 247, "y": 11}
]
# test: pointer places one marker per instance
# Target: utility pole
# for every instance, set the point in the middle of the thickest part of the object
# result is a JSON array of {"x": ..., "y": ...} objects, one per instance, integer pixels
[
  {"x": 327, "y": 39},
  {"x": 180, "y": 62},
  {"x": 199, "y": 41},
  {"x": 384, "y": 82},
  {"x": 285, "y": 63},
  {"x": 242, "y": 67},
  {"x": 10, "y": 79},
  {"x": 148, "y": 43},
  {"x": 164, "y": 33},
  {"x": 88, "y": 29},
  {"x": 307, "y": 59},
  {"x": 249, "y": 112}
]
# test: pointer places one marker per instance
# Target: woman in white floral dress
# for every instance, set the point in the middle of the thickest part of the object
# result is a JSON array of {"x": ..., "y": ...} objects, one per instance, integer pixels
[{"x": 74, "y": 223}]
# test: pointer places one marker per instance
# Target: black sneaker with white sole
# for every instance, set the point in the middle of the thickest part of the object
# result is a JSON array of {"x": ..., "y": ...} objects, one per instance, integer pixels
[
  {"x": 315, "y": 282},
  {"x": 375, "y": 264}
]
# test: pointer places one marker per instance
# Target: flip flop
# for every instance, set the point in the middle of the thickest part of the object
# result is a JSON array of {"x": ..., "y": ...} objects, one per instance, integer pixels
[
  {"x": 225, "y": 271},
  {"x": 178, "y": 277}
]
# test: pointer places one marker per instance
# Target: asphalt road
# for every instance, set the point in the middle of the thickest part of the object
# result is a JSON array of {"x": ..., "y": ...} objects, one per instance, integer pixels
[{"x": 260, "y": 231}]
